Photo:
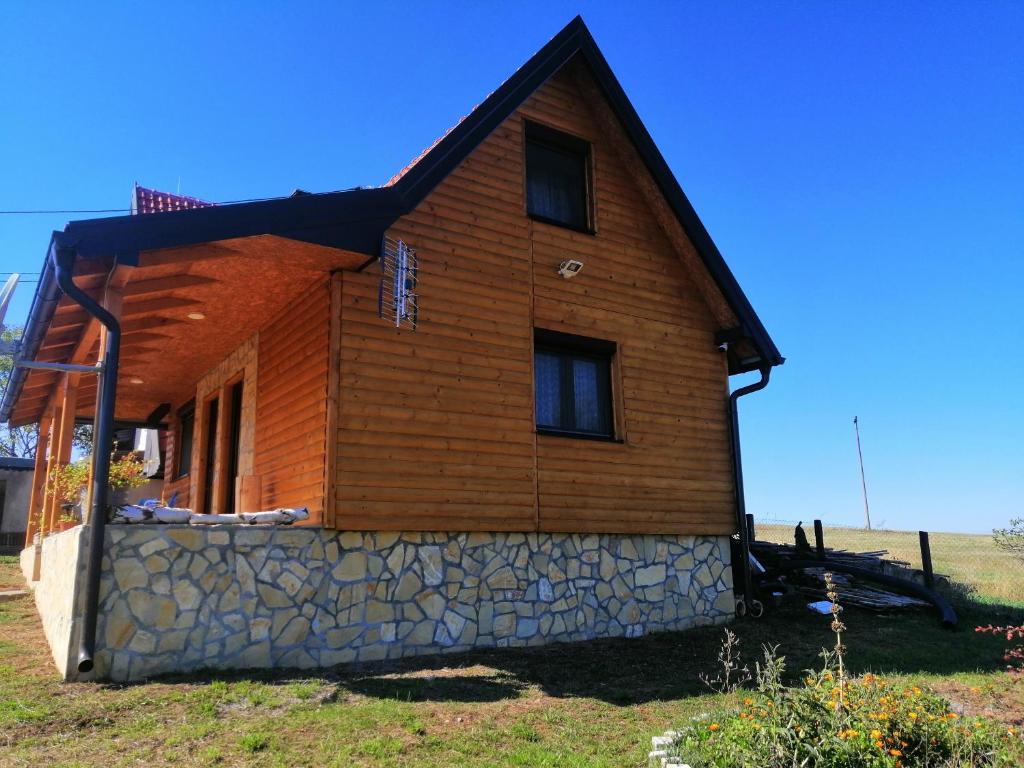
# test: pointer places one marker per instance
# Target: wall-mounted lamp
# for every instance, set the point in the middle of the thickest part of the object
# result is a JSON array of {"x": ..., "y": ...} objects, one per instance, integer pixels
[{"x": 570, "y": 268}]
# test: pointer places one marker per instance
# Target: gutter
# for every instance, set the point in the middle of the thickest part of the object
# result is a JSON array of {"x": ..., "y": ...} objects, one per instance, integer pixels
[
  {"x": 63, "y": 260},
  {"x": 44, "y": 304},
  {"x": 737, "y": 470}
]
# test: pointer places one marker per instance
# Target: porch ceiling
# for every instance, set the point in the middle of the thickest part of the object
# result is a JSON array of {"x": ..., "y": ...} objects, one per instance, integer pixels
[{"x": 239, "y": 285}]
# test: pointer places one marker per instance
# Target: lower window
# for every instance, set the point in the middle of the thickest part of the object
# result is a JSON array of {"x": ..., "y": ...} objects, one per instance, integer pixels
[{"x": 572, "y": 383}]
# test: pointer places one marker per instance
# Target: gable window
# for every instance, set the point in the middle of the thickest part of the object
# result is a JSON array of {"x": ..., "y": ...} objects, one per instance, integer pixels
[
  {"x": 572, "y": 385},
  {"x": 557, "y": 177},
  {"x": 186, "y": 429}
]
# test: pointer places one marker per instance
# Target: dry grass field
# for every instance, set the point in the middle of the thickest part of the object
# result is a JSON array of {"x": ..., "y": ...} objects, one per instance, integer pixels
[{"x": 969, "y": 559}]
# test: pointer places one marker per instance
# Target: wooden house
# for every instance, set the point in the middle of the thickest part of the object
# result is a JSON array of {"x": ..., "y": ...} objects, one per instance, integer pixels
[{"x": 535, "y": 445}]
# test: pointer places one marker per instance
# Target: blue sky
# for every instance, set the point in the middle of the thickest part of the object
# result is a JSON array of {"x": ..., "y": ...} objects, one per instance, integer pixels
[{"x": 860, "y": 165}]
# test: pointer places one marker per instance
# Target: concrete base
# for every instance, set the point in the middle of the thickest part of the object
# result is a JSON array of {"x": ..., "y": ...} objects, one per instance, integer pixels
[{"x": 59, "y": 565}]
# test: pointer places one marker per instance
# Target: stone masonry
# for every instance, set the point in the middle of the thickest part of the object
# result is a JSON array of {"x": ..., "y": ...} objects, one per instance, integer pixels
[{"x": 179, "y": 598}]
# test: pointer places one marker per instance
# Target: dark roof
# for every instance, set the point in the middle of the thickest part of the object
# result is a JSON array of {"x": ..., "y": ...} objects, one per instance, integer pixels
[
  {"x": 145, "y": 200},
  {"x": 21, "y": 465},
  {"x": 356, "y": 219},
  {"x": 415, "y": 181}
]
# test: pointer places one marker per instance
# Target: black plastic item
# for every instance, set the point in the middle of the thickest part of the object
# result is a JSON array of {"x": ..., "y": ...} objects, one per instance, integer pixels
[
  {"x": 904, "y": 586},
  {"x": 741, "y": 575},
  {"x": 103, "y": 431}
]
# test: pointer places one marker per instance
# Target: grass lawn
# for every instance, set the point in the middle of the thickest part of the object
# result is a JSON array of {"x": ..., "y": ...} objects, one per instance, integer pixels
[
  {"x": 590, "y": 704},
  {"x": 971, "y": 559}
]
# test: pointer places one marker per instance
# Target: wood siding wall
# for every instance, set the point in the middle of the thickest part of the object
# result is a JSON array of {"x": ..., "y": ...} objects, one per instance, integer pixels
[
  {"x": 291, "y": 405},
  {"x": 436, "y": 427}
]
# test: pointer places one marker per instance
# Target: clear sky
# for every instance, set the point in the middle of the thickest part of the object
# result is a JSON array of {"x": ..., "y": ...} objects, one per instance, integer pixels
[{"x": 860, "y": 165}]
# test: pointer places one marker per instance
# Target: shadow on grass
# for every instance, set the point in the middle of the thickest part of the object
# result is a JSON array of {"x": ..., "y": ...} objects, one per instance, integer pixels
[
  {"x": 478, "y": 688},
  {"x": 664, "y": 666}
]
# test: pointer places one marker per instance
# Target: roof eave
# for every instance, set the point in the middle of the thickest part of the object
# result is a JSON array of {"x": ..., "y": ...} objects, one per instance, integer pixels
[{"x": 572, "y": 39}]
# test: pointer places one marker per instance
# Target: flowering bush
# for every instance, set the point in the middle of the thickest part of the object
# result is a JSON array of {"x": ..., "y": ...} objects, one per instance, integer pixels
[
  {"x": 67, "y": 481},
  {"x": 1014, "y": 656},
  {"x": 832, "y": 721},
  {"x": 881, "y": 724}
]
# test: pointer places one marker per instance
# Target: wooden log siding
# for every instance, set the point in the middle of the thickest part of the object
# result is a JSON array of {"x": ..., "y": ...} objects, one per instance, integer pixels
[
  {"x": 291, "y": 405},
  {"x": 436, "y": 427}
]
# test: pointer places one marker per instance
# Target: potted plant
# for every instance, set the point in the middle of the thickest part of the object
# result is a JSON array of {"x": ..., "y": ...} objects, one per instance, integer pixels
[{"x": 68, "y": 485}]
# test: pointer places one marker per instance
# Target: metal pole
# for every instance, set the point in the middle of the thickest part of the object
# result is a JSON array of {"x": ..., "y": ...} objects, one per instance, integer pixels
[{"x": 863, "y": 482}]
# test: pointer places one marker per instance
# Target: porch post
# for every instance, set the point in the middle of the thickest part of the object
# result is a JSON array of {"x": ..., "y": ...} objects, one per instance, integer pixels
[
  {"x": 63, "y": 437},
  {"x": 35, "y": 503}
]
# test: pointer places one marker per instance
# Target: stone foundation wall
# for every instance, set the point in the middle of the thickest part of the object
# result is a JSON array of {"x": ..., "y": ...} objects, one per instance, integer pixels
[
  {"x": 175, "y": 598},
  {"x": 61, "y": 571}
]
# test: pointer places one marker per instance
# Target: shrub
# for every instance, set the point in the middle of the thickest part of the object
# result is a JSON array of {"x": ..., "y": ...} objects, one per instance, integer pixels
[
  {"x": 832, "y": 721},
  {"x": 881, "y": 724},
  {"x": 1011, "y": 539},
  {"x": 1014, "y": 655}
]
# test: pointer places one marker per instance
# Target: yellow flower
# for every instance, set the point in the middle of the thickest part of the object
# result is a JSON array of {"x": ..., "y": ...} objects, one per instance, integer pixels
[
  {"x": 748, "y": 702},
  {"x": 913, "y": 715},
  {"x": 876, "y": 734}
]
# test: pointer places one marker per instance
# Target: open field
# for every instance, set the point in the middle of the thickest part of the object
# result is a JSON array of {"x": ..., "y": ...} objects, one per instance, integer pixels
[
  {"x": 591, "y": 704},
  {"x": 971, "y": 559}
]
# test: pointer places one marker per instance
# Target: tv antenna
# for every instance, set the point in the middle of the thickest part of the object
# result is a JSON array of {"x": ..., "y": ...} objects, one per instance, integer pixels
[
  {"x": 863, "y": 482},
  {"x": 396, "y": 294}
]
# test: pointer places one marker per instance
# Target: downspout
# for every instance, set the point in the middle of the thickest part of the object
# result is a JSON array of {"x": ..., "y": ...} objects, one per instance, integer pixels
[
  {"x": 103, "y": 434},
  {"x": 737, "y": 471}
]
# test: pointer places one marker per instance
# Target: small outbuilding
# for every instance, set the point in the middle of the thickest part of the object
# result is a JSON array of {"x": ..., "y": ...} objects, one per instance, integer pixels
[{"x": 15, "y": 489}]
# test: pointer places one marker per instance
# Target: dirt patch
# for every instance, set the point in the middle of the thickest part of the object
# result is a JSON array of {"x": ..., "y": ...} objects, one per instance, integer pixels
[{"x": 1001, "y": 698}]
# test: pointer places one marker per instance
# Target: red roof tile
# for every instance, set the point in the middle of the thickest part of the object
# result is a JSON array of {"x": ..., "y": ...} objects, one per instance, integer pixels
[{"x": 153, "y": 201}]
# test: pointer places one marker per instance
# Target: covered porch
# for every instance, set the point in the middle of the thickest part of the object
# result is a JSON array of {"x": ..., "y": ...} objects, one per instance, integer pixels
[
  {"x": 213, "y": 327},
  {"x": 188, "y": 363}
]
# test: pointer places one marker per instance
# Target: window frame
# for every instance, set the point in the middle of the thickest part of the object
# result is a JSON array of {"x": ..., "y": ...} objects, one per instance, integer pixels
[
  {"x": 183, "y": 449},
  {"x": 560, "y": 141},
  {"x": 568, "y": 347}
]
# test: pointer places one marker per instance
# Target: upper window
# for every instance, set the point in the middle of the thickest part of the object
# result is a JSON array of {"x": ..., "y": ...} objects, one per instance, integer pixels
[
  {"x": 557, "y": 183},
  {"x": 572, "y": 381},
  {"x": 186, "y": 428}
]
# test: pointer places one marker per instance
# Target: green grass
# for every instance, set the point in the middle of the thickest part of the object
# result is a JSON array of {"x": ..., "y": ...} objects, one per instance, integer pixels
[
  {"x": 970, "y": 559},
  {"x": 587, "y": 705}
]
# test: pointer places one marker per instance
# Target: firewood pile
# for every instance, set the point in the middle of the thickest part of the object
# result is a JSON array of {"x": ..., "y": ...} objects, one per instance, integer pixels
[{"x": 856, "y": 592}]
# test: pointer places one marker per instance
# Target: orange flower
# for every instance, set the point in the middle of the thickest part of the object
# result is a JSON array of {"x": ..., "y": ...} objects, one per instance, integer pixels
[
  {"x": 714, "y": 727},
  {"x": 880, "y": 745},
  {"x": 895, "y": 752}
]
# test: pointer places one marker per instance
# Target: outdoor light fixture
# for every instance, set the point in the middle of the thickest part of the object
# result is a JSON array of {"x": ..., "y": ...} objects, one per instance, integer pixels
[
  {"x": 569, "y": 268},
  {"x": 196, "y": 316}
]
